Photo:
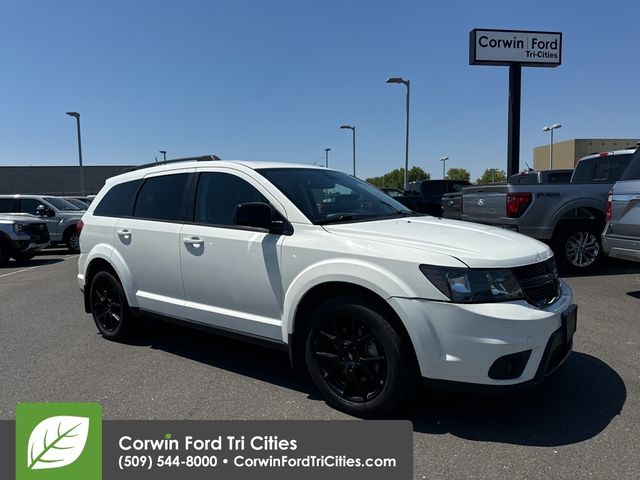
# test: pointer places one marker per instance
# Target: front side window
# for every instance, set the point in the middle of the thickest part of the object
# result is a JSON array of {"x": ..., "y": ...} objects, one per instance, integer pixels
[
  {"x": 218, "y": 195},
  {"x": 161, "y": 198},
  {"x": 30, "y": 205},
  {"x": 326, "y": 196}
]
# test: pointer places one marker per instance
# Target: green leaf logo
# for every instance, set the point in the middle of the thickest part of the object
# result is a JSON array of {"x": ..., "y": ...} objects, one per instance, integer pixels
[{"x": 57, "y": 442}]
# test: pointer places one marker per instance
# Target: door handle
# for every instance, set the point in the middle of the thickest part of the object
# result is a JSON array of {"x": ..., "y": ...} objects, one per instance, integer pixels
[
  {"x": 195, "y": 241},
  {"x": 124, "y": 233}
]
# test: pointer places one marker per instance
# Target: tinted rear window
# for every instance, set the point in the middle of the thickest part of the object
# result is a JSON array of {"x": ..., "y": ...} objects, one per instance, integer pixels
[
  {"x": 5, "y": 204},
  {"x": 601, "y": 169},
  {"x": 118, "y": 201},
  {"x": 633, "y": 170},
  {"x": 160, "y": 198}
]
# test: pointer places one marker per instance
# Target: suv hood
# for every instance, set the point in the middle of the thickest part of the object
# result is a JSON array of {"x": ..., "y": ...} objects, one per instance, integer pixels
[
  {"x": 19, "y": 217},
  {"x": 478, "y": 246}
]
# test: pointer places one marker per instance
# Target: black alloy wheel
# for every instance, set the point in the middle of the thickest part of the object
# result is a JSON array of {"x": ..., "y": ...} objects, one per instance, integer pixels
[
  {"x": 359, "y": 361},
  {"x": 351, "y": 359},
  {"x": 109, "y": 306}
]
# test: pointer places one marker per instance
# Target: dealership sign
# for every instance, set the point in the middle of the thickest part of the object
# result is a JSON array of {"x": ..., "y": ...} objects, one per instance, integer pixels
[{"x": 515, "y": 47}]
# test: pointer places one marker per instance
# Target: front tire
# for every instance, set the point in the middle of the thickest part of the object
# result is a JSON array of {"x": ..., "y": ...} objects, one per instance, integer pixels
[
  {"x": 357, "y": 359},
  {"x": 4, "y": 254},
  {"x": 109, "y": 307},
  {"x": 578, "y": 247}
]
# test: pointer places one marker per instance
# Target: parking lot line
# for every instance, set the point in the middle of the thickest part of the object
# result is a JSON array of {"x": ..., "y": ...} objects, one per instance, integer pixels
[{"x": 18, "y": 271}]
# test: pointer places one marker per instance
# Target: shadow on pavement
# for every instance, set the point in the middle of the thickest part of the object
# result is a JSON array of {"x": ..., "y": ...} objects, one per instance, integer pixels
[
  {"x": 609, "y": 266},
  {"x": 634, "y": 294},
  {"x": 575, "y": 404},
  {"x": 243, "y": 358},
  {"x": 37, "y": 262}
]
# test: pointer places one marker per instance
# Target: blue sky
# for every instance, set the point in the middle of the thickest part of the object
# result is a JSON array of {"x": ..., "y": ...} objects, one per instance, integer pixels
[{"x": 273, "y": 80}]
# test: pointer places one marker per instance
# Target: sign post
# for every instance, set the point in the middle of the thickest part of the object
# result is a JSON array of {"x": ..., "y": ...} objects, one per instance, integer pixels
[{"x": 515, "y": 49}]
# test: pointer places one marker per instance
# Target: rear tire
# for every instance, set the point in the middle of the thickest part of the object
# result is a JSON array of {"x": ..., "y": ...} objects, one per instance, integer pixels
[
  {"x": 109, "y": 307},
  {"x": 578, "y": 247},
  {"x": 357, "y": 359},
  {"x": 72, "y": 241},
  {"x": 23, "y": 257},
  {"x": 4, "y": 254}
]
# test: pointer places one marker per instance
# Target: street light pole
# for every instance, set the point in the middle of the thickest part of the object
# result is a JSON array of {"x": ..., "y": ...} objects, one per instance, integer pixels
[
  {"x": 76, "y": 115},
  {"x": 326, "y": 157},
  {"x": 444, "y": 163},
  {"x": 164, "y": 155},
  {"x": 407, "y": 84},
  {"x": 551, "y": 128},
  {"x": 353, "y": 130}
]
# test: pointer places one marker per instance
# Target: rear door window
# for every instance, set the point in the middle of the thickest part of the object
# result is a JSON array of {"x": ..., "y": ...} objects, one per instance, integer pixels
[
  {"x": 118, "y": 202},
  {"x": 162, "y": 198},
  {"x": 6, "y": 205},
  {"x": 633, "y": 169}
]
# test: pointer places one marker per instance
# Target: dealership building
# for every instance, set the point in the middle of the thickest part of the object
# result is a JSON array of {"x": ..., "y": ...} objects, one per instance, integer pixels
[
  {"x": 61, "y": 180},
  {"x": 567, "y": 153}
]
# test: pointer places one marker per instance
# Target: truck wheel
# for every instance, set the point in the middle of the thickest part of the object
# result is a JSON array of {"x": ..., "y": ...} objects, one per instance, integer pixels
[
  {"x": 23, "y": 257},
  {"x": 110, "y": 308},
  {"x": 578, "y": 248},
  {"x": 72, "y": 240},
  {"x": 4, "y": 254},
  {"x": 356, "y": 358}
]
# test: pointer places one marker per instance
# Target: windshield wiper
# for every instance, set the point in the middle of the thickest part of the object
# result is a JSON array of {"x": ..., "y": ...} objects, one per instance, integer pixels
[{"x": 341, "y": 218}]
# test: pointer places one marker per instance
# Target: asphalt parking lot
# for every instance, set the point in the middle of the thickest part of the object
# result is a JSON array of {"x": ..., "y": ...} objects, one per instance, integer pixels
[{"x": 583, "y": 423}]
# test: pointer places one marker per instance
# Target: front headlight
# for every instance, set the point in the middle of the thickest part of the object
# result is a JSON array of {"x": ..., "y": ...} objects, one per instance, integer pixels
[
  {"x": 468, "y": 285},
  {"x": 18, "y": 228}
]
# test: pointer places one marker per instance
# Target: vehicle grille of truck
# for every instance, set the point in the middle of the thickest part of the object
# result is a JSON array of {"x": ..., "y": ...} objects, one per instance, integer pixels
[{"x": 539, "y": 282}]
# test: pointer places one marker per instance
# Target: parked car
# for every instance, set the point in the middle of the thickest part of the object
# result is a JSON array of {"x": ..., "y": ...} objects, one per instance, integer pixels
[
  {"x": 621, "y": 238},
  {"x": 426, "y": 196},
  {"x": 569, "y": 216},
  {"x": 393, "y": 192},
  {"x": 60, "y": 216},
  {"x": 21, "y": 237},
  {"x": 365, "y": 295}
]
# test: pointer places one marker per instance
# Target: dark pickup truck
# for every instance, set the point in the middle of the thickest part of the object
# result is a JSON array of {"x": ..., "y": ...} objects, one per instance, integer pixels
[{"x": 426, "y": 196}]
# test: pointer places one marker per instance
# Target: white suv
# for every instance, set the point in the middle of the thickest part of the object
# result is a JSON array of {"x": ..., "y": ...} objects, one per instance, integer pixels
[{"x": 365, "y": 295}]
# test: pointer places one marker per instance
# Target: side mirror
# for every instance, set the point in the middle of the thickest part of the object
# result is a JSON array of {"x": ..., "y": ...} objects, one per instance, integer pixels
[
  {"x": 43, "y": 211},
  {"x": 256, "y": 215}
]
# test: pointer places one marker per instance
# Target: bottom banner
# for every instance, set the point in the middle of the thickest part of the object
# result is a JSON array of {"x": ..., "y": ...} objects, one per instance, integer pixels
[{"x": 236, "y": 450}]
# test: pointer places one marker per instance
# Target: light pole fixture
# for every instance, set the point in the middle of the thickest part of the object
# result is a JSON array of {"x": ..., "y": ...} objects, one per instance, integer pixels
[
  {"x": 444, "y": 163},
  {"x": 407, "y": 84},
  {"x": 353, "y": 130},
  {"x": 326, "y": 157},
  {"x": 164, "y": 155},
  {"x": 551, "y": 128},
  {"x": 76, "y": 115}
]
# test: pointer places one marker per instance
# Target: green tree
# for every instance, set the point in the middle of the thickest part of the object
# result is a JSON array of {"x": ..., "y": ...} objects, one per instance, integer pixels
[
  {"x": 492, "y": 175},
  {"x": 458, "y": 174},
  {"x": 395, "y": 178}
]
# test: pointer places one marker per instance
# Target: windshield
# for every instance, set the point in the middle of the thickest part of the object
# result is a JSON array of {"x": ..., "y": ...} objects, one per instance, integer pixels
[
  {"x": 327, "y": 196},
  {"x": 61, "y": 204},
  {"x": 78, "y": 203}
]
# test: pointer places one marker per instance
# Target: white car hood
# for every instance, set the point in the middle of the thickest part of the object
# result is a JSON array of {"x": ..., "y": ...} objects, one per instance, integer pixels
[{"x": 478, "y": 246}]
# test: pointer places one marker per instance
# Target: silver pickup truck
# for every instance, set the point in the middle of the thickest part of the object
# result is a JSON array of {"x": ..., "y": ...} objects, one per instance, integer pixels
[
  {"x": 570, "y": 217},
  {"x": 621, "y": 238}
]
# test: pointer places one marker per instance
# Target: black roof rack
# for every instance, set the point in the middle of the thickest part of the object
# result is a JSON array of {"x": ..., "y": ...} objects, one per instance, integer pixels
[{"x": 202, "y": 158}]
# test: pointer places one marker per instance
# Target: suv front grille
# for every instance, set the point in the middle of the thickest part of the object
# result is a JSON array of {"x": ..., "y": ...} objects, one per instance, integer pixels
[
  {"x": 539, "y": 282},
  {"x": 38, "y": 231}
]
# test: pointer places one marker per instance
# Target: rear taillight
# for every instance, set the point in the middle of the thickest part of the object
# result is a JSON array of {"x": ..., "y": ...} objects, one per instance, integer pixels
[
  {"x": 608, "y": 209},
  {"x": 517, "y": 203},
  {"x": 79, "y": 226}
]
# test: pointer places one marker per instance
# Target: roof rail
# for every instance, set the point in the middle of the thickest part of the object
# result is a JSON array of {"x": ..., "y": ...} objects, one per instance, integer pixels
[{"x": 202, "y": 158}]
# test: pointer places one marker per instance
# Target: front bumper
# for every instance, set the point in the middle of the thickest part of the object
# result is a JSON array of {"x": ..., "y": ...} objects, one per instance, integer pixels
[
  {"x": 28, "y": 245},
  {"x": 461, "y": 342}
]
